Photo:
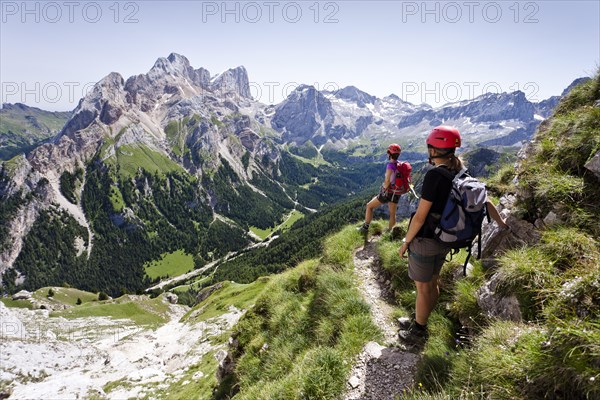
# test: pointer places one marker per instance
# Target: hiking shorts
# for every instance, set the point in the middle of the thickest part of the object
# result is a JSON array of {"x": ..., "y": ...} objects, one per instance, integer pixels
[
  {"x": 425, "y": 259},
  {"x": 387, "y": 197}
]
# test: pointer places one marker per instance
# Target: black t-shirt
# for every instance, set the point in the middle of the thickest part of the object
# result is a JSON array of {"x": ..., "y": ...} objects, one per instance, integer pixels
[{"x": 436, "y": 188}]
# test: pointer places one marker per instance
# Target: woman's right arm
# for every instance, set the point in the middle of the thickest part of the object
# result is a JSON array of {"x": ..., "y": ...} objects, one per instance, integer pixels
[{"x": 493, "y": 212}]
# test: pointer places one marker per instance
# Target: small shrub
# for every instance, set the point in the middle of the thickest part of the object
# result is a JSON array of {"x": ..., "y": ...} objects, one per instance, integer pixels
[
  {"x": 102, "y": 296},
  {"x": 50, "y": 293},
  {"x": 78, "y": 301}
]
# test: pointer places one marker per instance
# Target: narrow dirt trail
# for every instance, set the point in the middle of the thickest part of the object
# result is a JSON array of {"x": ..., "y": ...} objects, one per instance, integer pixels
[{"x": 381, "y": 372}]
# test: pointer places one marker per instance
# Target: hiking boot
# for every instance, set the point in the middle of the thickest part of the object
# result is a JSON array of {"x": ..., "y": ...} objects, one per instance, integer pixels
[
  {"x": 364, "y": 229},
  {"x": 405, "y": 322},
  {"x": 414, "y": 335}
]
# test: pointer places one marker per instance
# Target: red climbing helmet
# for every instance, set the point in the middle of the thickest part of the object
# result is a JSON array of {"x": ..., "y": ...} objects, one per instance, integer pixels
[
  {"x": 394, "y": 149},
  {"x": 444, "y": 137}
]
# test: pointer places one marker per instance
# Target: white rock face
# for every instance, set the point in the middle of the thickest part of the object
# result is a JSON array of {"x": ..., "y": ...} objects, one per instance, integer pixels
[
  {"x": 71, "y": 358},
  {"x": 11, "y": 326},
  {"x": 18, "y": 228}
]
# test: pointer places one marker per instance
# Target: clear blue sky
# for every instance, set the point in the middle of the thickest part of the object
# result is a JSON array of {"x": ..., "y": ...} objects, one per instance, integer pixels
[{"x": 433, "y": 52}]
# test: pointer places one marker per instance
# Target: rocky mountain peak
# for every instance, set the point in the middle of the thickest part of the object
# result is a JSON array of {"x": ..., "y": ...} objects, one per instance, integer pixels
[
  {"x": 174, "y": 65},
  {"x": 306, "y": 112},
  {"x": 105, "y": 98},
  {"x": 178, "y": 59},
  {"x": 355, "y": 95},
  {"x": 232, "y": 81}
]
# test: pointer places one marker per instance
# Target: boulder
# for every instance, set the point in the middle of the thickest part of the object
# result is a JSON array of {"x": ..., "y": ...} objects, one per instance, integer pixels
[
  {"x": 374, "y": 349},
  {"x": 552, "y": 219},
  {"x": 496, "y": 305},
  {"x": 171, "y": 297},
  {"x": 495, "y": 241},
  {"x": 594, "y": 165},
  {"x": 22, "y": 295},
  {"x": 204, "y": 293},
  {"x": 226, "y": 364},
  {"x": 354, "y": 382}
]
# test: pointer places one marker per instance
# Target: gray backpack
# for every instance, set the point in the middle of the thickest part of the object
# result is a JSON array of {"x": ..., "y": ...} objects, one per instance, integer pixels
[{"x": 461, "y": 220}]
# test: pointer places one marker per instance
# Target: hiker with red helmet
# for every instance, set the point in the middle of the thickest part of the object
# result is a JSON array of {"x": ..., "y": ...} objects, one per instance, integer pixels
[
  {"x": 388, "y": 194},
  {"x": 426, "y": 255}
]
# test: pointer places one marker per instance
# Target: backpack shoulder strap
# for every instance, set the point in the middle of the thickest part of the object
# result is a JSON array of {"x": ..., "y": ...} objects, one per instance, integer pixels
[
  {"x": 446, "y": 172},
  {"x": 461, "y": 173}
]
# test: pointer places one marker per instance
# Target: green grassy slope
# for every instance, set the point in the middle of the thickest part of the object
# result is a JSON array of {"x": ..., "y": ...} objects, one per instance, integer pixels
[
  {"x": 23, "y": 127},
  {"x": 304, "y": 330}
]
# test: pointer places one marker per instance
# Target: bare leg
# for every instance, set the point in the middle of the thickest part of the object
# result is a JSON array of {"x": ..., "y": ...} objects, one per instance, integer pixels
[
  {"x": 371, "y": 205},
  {"x": 392, "y": 207},
  {"x": 427, "y": 296}
]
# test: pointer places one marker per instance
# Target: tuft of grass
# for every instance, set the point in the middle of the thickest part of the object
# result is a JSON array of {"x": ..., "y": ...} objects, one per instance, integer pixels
[
  {"x": 502, "y": 180},
  {"x": 439, "y": 352},
  {"x": 554, "y": 177},
  {"x": 498, "y": 364},
  {"x": 568, "y": 365},
  {"x": 580, "y": 96},
  {"x": 338, "y": 249},
  {"x": 526, "y": 272},
  {"x": 578, "y": 297},
  {"x": 570, "y": 247},
  {"x": 326, "y": 371},
  {"x": 463, "y": 303},
  {"x": 558, "y": 187}
]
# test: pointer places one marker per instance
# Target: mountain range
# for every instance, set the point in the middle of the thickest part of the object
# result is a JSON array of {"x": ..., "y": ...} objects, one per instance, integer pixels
[{"x": 178, "y": 159}]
